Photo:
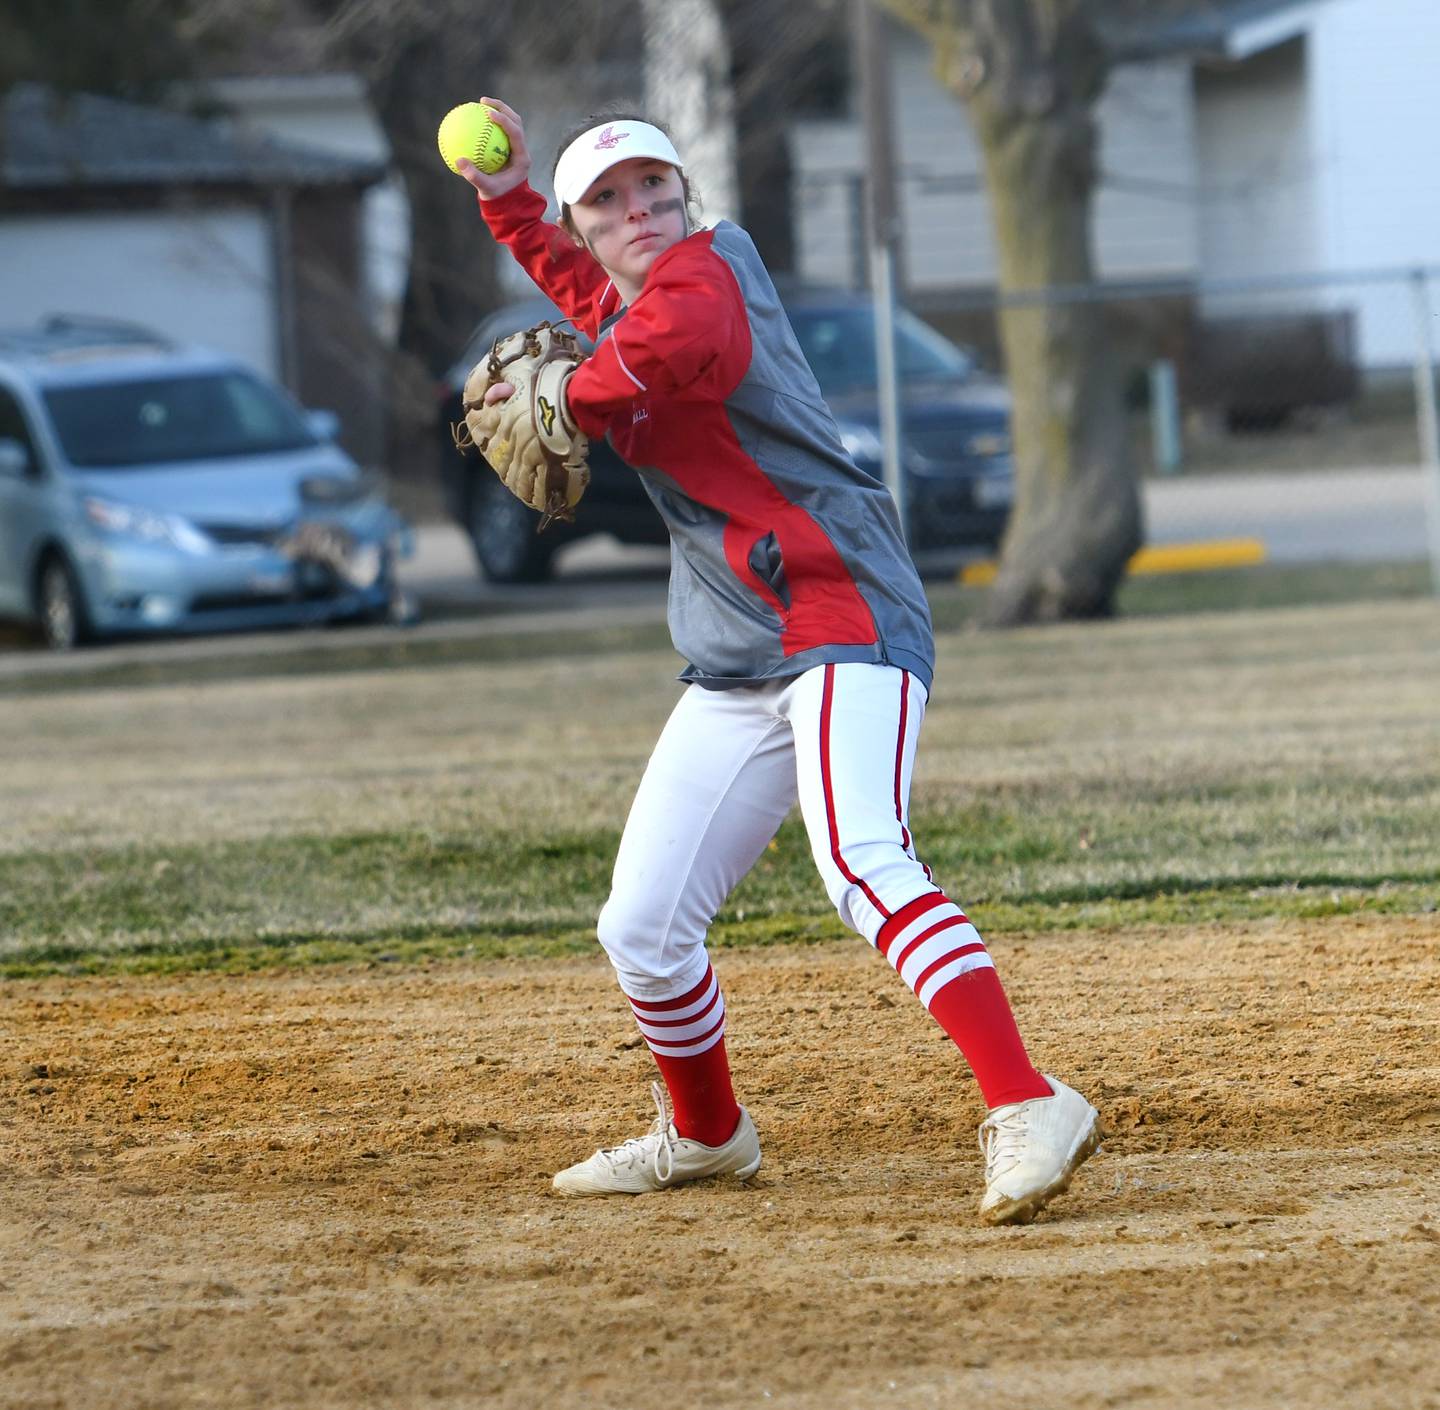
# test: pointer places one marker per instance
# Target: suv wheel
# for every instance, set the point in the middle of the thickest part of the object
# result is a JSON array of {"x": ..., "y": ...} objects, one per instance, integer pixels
[
  {"x": 59, "y": 605},
  {"x": 502, "y": 532}
]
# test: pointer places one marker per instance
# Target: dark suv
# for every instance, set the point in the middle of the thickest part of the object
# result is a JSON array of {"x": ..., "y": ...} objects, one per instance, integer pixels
[{"x": 959, "y": 477}]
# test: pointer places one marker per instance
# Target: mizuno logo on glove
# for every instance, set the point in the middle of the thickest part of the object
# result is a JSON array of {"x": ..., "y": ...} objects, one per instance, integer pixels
[{"x": 527, "y": 436}]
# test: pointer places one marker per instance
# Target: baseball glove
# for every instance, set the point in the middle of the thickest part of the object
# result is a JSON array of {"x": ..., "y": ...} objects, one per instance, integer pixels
[{"x": 529, "y": 439}]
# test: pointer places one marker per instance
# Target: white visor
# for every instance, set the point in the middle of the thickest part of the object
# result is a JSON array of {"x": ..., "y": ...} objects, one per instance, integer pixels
[{"x": 593, "y": 153}]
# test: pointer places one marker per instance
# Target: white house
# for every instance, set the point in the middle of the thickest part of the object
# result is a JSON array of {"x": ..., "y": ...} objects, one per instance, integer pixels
[
  {"x": 1255, "y": 140},
  {"x": 1315, "y": 122}
]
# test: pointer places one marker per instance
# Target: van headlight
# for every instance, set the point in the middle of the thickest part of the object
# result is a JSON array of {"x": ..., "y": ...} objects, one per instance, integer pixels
[{"x": 132, "y": 522}]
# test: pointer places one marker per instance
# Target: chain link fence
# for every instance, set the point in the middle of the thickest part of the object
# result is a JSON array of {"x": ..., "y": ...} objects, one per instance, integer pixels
[{"x": 1296, "y": 409}]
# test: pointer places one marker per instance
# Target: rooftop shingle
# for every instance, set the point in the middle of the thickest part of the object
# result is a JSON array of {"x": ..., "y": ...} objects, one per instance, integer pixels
[{"x": 56, "y": 140}]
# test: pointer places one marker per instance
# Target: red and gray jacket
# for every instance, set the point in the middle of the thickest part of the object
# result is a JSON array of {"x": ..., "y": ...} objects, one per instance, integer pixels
[{"x": 784, "y": 555}]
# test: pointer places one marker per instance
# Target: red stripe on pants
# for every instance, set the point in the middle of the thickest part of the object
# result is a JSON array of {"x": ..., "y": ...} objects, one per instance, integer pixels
[
  {"x": 900, "y": 756},
  {"x": 826, "y": 701}
]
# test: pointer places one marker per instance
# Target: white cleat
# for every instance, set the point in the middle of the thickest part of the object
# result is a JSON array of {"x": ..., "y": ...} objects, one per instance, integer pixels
[
  {"x": 661, "y": 1158},
  {"x": 1032, "y": 1149}
]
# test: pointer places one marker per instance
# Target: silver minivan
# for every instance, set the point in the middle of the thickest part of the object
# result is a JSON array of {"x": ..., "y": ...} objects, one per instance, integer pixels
[{"x": 148, "y": 487}]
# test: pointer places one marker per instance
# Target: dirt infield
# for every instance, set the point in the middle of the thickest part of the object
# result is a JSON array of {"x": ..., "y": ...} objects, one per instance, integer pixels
[{"x": 331, "y": 1188}]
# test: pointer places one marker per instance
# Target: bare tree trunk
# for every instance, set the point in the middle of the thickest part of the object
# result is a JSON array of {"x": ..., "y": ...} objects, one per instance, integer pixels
[
  {"x": 1077, "y": 513},
  {"x": 1032, "y": 71},
  {"x": 687, "y": 87}
]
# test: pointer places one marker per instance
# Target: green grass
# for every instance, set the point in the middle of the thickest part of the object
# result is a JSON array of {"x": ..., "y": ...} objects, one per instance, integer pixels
[
  {"x": 1157, "y": 770},
  {"x": 383, "y": 896}
]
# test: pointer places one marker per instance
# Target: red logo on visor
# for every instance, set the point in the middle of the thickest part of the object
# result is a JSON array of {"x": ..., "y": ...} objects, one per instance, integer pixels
[{"x": 609, "y": 138}]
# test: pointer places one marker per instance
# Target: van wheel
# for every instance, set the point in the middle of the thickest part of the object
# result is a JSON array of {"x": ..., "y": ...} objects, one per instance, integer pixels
[
  {"x": 502, "y": 533},
  {"x": 59, "y": 605}
]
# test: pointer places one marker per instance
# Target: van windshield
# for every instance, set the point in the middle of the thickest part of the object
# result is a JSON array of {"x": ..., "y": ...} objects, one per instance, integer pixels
[{"x": 208, "y": 416}]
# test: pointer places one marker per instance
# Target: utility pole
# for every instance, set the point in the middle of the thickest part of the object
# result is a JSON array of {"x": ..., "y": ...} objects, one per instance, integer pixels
[
  {"x": 870, "y": 38},
  {"x": 1425, "y": 408}
]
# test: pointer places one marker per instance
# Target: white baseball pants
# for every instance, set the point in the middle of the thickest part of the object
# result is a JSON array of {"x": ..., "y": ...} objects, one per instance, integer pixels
[{"x": 726, "y": 770}]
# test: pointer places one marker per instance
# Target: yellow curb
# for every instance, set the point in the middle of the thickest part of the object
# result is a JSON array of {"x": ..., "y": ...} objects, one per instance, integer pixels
[
  {"x": 1166, "y": 558},
  {"x": 1198, "y": 557}
]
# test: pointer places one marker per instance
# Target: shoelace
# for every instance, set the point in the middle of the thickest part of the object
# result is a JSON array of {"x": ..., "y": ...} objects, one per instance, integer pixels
[
  {"x": 655, "y": 1143},
  {"x": 1002, "y": 1140}
]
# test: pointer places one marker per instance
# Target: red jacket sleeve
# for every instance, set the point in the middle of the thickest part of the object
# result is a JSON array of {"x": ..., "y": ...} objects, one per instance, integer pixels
[
  {"x": 686, "y": 334},
  {"x": 569, "y": 276}
]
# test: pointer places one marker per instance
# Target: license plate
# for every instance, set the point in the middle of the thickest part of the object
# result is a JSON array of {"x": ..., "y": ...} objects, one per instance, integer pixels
[
  {"x": 994, "y": 494},
  {"x": 270, "y": 584}
]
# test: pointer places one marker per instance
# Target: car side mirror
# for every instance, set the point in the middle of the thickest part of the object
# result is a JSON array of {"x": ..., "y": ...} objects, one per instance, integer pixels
[
  {"x": 14, "y": 458},
  {"x": 324, "y": 425}
]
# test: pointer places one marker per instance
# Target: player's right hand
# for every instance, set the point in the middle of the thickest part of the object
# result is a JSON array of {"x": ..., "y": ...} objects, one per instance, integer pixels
[{"x": 516, "y": 171}]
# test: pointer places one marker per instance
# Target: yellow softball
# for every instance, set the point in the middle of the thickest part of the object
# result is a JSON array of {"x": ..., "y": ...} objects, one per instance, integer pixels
[{"x": 470, "y": 130}]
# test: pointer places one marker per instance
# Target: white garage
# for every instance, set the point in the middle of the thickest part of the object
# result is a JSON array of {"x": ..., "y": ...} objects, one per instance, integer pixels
[{"x": 199, "y": 276}]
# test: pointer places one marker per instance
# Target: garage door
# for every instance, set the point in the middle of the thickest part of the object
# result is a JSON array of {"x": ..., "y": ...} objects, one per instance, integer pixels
[{"x": 204, "y": 277}]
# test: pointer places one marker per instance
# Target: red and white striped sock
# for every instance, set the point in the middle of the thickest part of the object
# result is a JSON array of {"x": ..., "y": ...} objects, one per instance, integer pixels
[
  {"x": 687, "y": 1037},
  {"x": 940, "y": 955}
]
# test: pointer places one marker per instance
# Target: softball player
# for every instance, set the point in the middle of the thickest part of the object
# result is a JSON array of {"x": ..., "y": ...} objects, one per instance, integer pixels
[{"x": 807, "y": 633}]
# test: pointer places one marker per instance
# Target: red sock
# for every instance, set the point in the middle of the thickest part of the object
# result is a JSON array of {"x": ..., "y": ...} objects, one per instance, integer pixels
[
  {"x": 941, "y": 956},
  {"x": 700, "y": 1092},
  {"x": 974, "y": 1011},
  {"x": 687, "y": 1038}
]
